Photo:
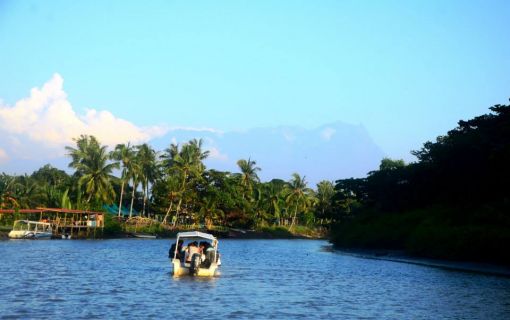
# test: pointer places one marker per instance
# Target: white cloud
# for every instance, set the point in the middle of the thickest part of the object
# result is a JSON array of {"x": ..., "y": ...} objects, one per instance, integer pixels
[
  {"x": 327, "y": 133},
  {"x": 215, "y": 154},
  {"x": 47, "y": 118},
  {"x": 193, "y": 129},
  {"x": 3, "y": 156}
]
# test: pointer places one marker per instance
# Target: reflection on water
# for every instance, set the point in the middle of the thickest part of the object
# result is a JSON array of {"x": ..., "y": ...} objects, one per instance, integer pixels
[{"x": 280, "y": 279}]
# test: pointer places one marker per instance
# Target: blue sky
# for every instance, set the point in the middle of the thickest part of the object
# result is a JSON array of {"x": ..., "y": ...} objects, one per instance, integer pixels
[{"x": 405, "y": 70}]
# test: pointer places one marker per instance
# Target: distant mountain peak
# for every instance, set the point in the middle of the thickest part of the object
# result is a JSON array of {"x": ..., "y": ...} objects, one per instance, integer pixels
[{"x": 328, "y": 152}]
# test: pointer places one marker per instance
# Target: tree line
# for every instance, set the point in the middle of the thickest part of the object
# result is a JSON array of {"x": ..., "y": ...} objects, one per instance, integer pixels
[
  {"x": 173, "y": 186},
  {"x": 453, "y": 202}
]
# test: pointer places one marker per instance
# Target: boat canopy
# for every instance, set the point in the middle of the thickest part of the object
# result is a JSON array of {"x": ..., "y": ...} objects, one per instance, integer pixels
[
  {"x": 21, "y": 225},
  {"x": 196, "y": 235}
]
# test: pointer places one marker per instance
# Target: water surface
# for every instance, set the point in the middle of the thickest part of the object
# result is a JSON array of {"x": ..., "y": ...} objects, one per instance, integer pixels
[{"x": 260, "y": 279}]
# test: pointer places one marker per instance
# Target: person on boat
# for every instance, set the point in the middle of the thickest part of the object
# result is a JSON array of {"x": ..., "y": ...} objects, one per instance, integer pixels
[
  {"x": 202, "y": 247},
  {"x": 179, "y": 250},
  {"x": 192, "y": 249},
  {"x": 209, "y": 255}
]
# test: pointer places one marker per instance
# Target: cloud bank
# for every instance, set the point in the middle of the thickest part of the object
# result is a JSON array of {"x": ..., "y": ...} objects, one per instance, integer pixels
[
  {"x": 35, "y": 130},
  {"x": 46, "y": 119}
]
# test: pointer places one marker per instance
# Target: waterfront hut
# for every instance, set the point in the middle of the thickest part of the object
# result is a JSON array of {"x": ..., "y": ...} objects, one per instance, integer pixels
[{"x": 65, "y": 223}]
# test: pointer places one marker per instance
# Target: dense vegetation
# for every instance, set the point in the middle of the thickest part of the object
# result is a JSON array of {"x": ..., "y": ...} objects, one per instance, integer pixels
[
  {"x": 454, "y": 202},
  {"x": 172, "y": 186}
]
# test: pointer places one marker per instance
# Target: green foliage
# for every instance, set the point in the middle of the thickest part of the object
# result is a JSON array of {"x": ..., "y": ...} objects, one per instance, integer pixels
[
  {"x": 432, "y": 232},
  {"x": 453, "y": 203},
  {"x": 277, "y": 232},
  {"x": 93, "y": 171},
  {"x": 390, "y": 164},
  {"x": 112, "y": 226},
  {"x": 176, "y": 189}
]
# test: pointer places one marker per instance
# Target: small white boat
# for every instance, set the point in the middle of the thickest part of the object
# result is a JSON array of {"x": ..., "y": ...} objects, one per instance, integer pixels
[
  {"x": 26, "y": 229},
  {"x": 199, "y": 264},
  {"x": 144, "y": 236}
]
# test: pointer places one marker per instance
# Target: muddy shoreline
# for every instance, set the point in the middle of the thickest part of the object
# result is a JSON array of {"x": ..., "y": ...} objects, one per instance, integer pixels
[{"x": 402, "y": 257}]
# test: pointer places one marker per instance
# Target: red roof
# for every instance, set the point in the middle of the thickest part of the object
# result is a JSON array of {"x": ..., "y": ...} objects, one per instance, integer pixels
[
  {"x": 70, "y": 211},
  {"x": 20, "y": 211},
  {"x": 58, "y": 210}
]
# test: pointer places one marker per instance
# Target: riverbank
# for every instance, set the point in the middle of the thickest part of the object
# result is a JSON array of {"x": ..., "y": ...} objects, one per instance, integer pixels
[
  {"x": 114, "y": 229},
  {"x": 230, "y": 234},
  {"x": 439, "y": 232},
  {"x": 402, "y": 257}
]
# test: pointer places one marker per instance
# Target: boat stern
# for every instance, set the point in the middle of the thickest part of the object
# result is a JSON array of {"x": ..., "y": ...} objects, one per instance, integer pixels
[
  {"x": 17, "y": 234},
  {"x": 183, "y": 270}
]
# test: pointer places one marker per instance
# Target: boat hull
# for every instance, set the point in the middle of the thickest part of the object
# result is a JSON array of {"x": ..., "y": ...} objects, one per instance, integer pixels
[
  {"x": 180, "y": 270},
  {"x": 23, "y": 234},
  {"x": 144, "y": 236}
]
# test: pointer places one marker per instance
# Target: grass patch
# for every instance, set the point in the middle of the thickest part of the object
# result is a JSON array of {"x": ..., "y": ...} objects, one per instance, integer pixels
[{"x": 277, "y": 231}]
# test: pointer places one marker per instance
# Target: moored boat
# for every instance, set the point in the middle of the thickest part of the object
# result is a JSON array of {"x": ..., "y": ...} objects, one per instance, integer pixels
[
  {"x": 144, "y": 236},
  {"x": 26, "y": 229},
  {"x": 195, "y": 263}
]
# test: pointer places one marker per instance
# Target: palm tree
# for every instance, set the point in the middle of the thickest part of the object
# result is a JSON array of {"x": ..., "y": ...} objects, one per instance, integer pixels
[
  {"x": 262, "y": 205},
  {"x": 168, "y": 155},
  {"x": 248, "y": 174},
  {"x": 134, "y": 174},
  {"x": 97, "y": 177},
  {"x": 198, "y": 155},
  {"x": 325, "y": 193},
  {"x": 90, "y": 160},
  {"x": 27, "y": 192},
  {"x": 148, "y": 170},
  {"x": 65, "y": 201},
  {"x": 187, "y": 164},
  {"x": 298, "y": 195},
  {"x": 275, "y": 199},
  {"x": 7, "y": 198},
  {"x": 125, "y": 155},
  {"x": 173, "y": 192},
  {"x": 210, "y": 212}
]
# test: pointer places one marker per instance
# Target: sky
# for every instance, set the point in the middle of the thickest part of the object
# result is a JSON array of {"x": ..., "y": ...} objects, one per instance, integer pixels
[{"x": 406, "y": 71}]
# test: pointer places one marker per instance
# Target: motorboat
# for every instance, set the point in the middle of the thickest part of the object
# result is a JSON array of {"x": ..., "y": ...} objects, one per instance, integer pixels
[
  {"x": 190, "y": 260},
  {"x": 26, "y": 229},
  {"x": 144, "y": 236}
]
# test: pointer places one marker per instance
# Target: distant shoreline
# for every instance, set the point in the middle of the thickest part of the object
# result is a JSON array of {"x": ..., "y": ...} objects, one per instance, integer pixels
[
  {"x": 239, "y": 234},
  {"x": 246, "y": 235},
  {"x": 400, "y": 256}
]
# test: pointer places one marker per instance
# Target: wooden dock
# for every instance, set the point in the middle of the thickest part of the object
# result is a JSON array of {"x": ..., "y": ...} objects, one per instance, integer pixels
[{"x": 65, "y": 223}]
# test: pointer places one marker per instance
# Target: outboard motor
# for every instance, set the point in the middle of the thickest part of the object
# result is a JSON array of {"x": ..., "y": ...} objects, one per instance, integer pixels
[
  {"x": 196, "y": 260},
  {"x": 29, "y": 235}
]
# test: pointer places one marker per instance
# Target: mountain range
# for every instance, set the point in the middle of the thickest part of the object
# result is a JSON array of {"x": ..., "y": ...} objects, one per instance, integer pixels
[{"x": 329, "y": 152}]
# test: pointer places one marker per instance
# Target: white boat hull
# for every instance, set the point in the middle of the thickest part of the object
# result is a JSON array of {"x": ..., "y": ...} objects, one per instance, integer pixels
[
  {"x": 144, "y": 236},
  {"x": 183, "y": 270},
  {"x": 23, "y": 234}
]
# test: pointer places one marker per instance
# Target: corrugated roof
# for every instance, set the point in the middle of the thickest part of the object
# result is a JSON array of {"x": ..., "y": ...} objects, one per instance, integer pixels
[
  {"x": 62, "y": 210},
  {"x": 58, "y": 210},
  {"x": 20, "y": 211}
]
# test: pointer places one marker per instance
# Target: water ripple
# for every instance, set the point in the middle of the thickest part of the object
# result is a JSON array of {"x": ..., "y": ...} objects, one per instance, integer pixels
[{"x": 260, "y": 279}]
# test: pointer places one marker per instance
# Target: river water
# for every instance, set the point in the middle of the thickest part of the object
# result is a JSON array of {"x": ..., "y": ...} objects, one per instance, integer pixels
[{"x": 260, "y": 279}]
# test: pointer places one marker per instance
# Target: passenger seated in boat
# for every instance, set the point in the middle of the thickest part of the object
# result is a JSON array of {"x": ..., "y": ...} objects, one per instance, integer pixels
[
  {"x": 208, "y": 254},
  {"x": 202, "y": 246},
  {"x": 192, "y": 249},
  {"x": 171, "y": 252}
]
